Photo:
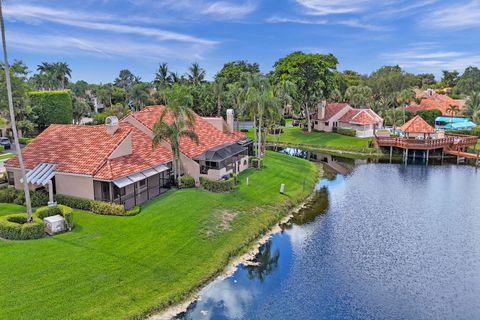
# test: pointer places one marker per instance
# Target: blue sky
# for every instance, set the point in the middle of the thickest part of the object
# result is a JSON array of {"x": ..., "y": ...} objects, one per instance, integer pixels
[{"x": 98, "y": 38}]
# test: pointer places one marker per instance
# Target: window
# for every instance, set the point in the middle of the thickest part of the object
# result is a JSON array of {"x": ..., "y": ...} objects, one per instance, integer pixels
[
  {"x": 142, "y": 184},
  {"x": 118, "y": 192},
  {"x": 11, "y": 178},
  {"x": 245, "y": 162},
  {"x": 211, "y": 165}
]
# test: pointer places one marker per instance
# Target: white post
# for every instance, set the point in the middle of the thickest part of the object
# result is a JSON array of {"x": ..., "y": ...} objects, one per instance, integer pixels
[
  {"x": 51, "y": 202},
  {"x": 248, "y": 181},
  {"x": 282, "y": 188}
]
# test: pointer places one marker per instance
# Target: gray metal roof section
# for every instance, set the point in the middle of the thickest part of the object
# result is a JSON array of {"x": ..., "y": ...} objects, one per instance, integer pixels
[
  {"x": 41, "y": 174},
  {"x": 132, "y": 178},
  {"x": 221, "y": 152}
]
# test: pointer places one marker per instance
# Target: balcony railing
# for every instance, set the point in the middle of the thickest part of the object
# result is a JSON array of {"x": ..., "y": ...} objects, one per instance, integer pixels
[{"x": 425, "y": 144}]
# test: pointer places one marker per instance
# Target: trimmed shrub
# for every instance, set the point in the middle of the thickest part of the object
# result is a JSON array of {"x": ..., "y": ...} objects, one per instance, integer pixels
[
  {"x": 107, "y": 208},
  {"x": 51, "y": 107},
  {"x": 134, "y": 211},
  {"x": 95, "y": 206},
  {"x": 15, "y": 227},
  {"x": 8, "y": 195},
  {"x": 256, "y": 162},
  {"x": 39, "y": 198},
  {"x": 244, "y": 130},
  {"x": 471, "y": 132},
  {"x": 218, "y": 186},
  {"x": 187, "y": 182},
  {"x": 62, "y": 210},
  {"x": 25, "y": 140},
  {"x": 74, "y": 202},
  {"x": 347, "y": 132}
]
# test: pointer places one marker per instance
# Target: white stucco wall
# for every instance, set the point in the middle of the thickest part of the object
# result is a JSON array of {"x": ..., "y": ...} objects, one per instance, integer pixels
[{"x": 73, "y": 185}]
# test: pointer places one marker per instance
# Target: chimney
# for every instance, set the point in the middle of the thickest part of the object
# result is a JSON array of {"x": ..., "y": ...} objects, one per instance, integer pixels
[
  {"x": 230, "y": 119},
  {"x": 112, "y": 124},
  {"x": 321, "y": 111}
]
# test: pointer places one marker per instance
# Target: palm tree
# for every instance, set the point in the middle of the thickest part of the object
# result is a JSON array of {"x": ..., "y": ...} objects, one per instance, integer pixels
[
  {"x": 47, "y": 77},
  {"x": 196, "y": 74},
  {"x": 453, "y": 110},
  {"x": 162, "y": 77},
  {"x": 394, "y": 117},
  {"x": 286, "y": 91},
  {"x": 12, "y": 118},
  {"x": 62, "y": 72},
  {"x": 177, "y": 120},
  {"x": 218, "y": 88},
  {"x": 403, "y": 98},
  {"x": 472, "y": 107}
]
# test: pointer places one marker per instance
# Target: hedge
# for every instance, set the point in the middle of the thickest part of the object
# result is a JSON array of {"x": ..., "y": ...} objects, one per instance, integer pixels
[
  {"x": 218, "y": 186},
  {"x": 347, "y": 132},
  {"x": 15, "y": 227},
  {"x": 134, "y": 211},
  {"x": 187, "y": 182},
  {"x": 12, "y": 195},
  {"x": 51, "y": 107},
  {"x": 95, "y": 206},
  {"x": 25, "y": 140},
  {"x": 62, "y": 210}
]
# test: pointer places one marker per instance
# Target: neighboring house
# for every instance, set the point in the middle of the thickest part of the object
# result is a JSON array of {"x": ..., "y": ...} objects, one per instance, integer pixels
[
  {"x": 430, "y": 100},
  {"x": 341, "y": 115},
  {"x": 116, "y": 161}
]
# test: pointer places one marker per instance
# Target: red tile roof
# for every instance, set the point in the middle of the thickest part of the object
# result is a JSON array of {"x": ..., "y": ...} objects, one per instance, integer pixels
[
  {"x": 434, "y": 100},
  {"x": 361, "y": 116},
  {"x": 143, "y": 156},
  {"x": 76, "y": 149},
  {"x": 417, "y": 125},
  {"x": 208, "y": 135},
  {"x": 332, "y": 109}
]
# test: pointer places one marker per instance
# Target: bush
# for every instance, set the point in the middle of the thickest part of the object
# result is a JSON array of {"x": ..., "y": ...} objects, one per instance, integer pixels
[
  {"x": 62, "y": 210},
  {"x": 256, "y": 162},
  {"x": 218, "y": 186},
  {"x": 187, "y": 182},
  {"x": 51, "y": 107},
  {"x": 15, "y": 227},
  {"x": 25, "y": 140},
  {"x": 39, "y": 198},
  {"x": 107, "y": 208},
  {"x": 470, "y": 132},
  {"x": 74, "y": 202},
  {"x": 8, "y": 195},
  {"x": 429, "y": 115},
  {"x": 244, "y": 130},
  {"x": 98, "y": 207},
  {"x": 347, "y": 132},
  {"x": 134, "y": 211}
]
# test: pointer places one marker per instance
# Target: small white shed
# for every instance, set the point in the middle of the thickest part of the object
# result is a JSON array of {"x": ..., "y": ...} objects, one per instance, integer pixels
[{"x": 54, "y": 224}]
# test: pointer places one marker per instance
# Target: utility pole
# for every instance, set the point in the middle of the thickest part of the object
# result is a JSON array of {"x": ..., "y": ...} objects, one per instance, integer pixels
[{"x": 12, "y": 117}]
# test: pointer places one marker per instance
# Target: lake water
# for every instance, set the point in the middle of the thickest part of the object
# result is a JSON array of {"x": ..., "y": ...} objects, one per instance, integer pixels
[{"x": 385, "y": 241}]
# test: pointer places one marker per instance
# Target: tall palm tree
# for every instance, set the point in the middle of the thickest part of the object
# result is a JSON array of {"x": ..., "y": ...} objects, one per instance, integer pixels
[
  {"x": 47, "y": 76},
  {"x": 177, "y": 120},
  {"x": 453, "y": 110},
  {"x": 403, "y": 98},
  {"x": 12, "y": 118},
  {"x": 218, "y": 89},
  {"x": 62, "y": 72},
  {"x": 394, "y": 117},
  {"x": 162, "y": 77},
  {"x": 196, "y": 74},
  {"x": 286, "y": 91}
]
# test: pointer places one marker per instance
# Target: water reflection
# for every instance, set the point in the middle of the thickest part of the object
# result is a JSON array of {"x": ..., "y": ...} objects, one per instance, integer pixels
[{"x": 265, "y": 263}]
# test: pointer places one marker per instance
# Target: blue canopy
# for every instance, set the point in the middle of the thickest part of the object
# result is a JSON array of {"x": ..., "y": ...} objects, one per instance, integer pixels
[{"x": 454, "y": 123}]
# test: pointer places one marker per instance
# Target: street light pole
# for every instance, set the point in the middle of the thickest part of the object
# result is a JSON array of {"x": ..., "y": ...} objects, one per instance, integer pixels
[{"x": 12, "y": 117}]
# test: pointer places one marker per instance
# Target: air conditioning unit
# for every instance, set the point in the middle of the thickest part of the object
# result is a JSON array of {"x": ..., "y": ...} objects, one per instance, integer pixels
[{"x": 54, "y": 224}]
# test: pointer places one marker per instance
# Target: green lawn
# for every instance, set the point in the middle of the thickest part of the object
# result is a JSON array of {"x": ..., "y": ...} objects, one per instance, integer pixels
[
  {"x": 7, "y": 156},
  {"x": 324, "y": 140},
  {"x": 117, "y": 267}
]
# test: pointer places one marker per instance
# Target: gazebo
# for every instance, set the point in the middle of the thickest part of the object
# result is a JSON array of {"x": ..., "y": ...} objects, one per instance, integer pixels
[{"x": 417, "y": 128}]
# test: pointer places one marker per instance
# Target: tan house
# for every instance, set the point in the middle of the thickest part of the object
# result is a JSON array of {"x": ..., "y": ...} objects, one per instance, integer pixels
[
  {"x": 116, "y": 161},
  {"x": 335, "y": 115}
]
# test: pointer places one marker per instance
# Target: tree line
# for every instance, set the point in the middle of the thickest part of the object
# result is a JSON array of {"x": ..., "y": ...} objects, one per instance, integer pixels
[{"x": 297, "y": 82}]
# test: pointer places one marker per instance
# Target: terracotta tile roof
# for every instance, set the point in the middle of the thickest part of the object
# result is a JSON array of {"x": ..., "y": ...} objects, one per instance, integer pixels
[
  {"x": 332, "y": 109},
  {"x": 208, "y": 135},
  {"x": 361, "y": 116},
  {"x": 143, "y": 156},
  {"x": 434, "y": 100},
  {"x": 417, "y": 125},
  {"x": 76, "y": 149}
]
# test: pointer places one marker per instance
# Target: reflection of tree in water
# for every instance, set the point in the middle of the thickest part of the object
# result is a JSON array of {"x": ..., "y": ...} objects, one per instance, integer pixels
[
  {"x": 316, "y": 207},
  {"x": 329, "y": 173},
  {"x": 267, "y": 263}
]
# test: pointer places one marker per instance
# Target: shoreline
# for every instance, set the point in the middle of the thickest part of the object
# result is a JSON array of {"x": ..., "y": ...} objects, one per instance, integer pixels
[{"x": 232, "y": 266}]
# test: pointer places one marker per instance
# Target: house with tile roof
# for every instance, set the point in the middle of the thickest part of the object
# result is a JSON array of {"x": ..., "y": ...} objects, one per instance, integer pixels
[
  {"x": 116, "y": 162},
  {"x": 430, "y": 100},
  {"x": 417, "y": 128},
  {"x": 331, "y": 116}
]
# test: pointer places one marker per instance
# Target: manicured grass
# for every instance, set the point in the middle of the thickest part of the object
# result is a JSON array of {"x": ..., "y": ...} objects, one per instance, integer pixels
[
  {"x": 326, "y": 140},
  {"x": 7, "y": 156},
  {"x": 118, "y": 267},
  {"x": 8, "y": 208}
]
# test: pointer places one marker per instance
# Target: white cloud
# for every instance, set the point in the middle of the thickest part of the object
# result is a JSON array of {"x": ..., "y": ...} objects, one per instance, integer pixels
[
  {"x": 456, "y": 15},
  {"x": 86, "y": 20},
  {"x": 327, "y": 7},
  {"x": 354, "y": 23},
  {"x": 429, "y": 58},
  {"x": 218, "y": 10},
  {"x": 229, "y": 10}
]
